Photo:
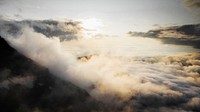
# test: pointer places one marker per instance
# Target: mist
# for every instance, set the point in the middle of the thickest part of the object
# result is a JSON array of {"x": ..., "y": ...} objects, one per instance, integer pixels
[{"x": 171, "y": 82}]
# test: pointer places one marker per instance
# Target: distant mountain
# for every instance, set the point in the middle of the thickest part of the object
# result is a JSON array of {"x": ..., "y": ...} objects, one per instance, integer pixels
[{"x": 28, "y": 87}]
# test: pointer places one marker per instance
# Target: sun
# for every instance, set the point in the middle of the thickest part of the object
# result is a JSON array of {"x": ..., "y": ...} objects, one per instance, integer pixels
[{"x": 92, "y": 24}]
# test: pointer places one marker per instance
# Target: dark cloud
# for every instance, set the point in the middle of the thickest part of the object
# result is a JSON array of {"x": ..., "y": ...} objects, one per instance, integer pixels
[
  {"x": 67, "y": 30},
  {"x": 194, "y": 4},
  {"x": 180, "y": 35}
]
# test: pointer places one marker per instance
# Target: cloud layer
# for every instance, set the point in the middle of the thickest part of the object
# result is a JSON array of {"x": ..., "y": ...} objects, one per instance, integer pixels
[
  {"x": 168, "y": 83},
  {"x": 65, "y": 30},
  {"x": 180, "y": 35}
]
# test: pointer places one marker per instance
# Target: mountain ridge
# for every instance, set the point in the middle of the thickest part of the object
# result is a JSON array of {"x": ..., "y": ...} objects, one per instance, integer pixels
[{"x": 48, "y": 93}]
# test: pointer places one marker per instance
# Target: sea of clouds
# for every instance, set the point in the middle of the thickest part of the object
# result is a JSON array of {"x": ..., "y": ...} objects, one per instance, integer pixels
[{"x": 135, "y": 83}]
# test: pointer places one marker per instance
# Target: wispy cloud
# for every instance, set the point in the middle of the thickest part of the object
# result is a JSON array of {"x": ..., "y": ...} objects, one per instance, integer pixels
[
  {"x": 179, "y": 35},
  {"x": 194, "y": 4},
  {"x": 26, "y": 81}
]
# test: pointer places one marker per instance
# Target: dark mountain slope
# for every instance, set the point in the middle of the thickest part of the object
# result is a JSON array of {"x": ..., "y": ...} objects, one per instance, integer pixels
[{"x": 28, "y": 87}]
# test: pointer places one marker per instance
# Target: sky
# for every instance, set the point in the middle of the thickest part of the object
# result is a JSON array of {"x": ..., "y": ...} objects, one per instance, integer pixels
[
  {"x": 127, "y": 72},
  {"x": 113, "y": 16},
  {"x": 110, "y": 18}
]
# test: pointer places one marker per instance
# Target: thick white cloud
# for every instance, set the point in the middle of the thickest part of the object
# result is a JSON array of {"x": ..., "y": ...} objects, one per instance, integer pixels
[{"x": 131, "y": 83}]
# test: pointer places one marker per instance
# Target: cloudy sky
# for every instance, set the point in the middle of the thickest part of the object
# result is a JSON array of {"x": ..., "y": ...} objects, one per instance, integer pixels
[
  {"x": 111, "y": 16},
  {"x": 145, "y": 54}
]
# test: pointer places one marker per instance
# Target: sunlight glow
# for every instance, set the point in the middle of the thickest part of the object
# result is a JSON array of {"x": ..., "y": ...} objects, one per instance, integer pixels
[{"x": 92, "y": 24}]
